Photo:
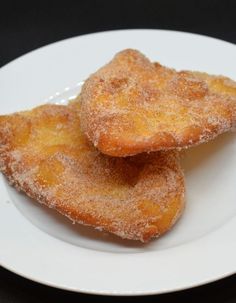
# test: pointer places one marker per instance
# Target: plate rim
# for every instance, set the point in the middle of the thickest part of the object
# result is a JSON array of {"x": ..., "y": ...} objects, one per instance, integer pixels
[
  {"x": 117, "y": 294},
  {"x": 104, "y": 292},
  {"x": 111, "y": 31}
]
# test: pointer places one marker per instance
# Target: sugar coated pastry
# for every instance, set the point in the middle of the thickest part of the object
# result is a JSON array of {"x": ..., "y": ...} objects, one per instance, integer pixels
[
  {"x": 131, "y": 106},
  {"x": 44, "y": 154}
]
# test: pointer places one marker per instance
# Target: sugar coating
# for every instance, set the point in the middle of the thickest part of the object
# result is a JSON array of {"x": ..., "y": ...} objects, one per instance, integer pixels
[
  {"x": 44, "y": 154},
  {"x": 132, "y": 105}
]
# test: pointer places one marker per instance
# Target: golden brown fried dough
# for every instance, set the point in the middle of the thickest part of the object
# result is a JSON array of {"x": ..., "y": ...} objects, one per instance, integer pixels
[
  {"x": 44, "y": 154},
  {"x": 131, "y": 106}
]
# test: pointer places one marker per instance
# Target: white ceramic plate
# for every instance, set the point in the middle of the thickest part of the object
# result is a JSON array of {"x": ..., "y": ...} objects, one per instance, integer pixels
[{"x": 43, "y": 246}]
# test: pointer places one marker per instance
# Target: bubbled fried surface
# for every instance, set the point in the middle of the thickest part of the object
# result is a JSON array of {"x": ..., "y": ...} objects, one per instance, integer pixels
[
  {"x": 131, "y": 106},
  {"x": 44, "y": 154}
]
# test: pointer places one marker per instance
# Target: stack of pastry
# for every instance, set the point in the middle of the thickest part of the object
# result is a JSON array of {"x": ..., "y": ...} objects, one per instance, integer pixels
[{"x": 110, "y": 159}]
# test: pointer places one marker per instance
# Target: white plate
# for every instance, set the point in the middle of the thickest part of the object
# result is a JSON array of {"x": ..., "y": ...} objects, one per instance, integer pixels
[{"x": 43, "y": 246}]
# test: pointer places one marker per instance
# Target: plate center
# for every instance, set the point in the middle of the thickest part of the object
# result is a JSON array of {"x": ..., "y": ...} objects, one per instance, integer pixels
[{"x": 210, "y": 200}]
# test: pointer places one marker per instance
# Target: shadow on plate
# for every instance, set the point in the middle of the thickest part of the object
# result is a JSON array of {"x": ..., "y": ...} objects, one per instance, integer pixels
[
  {"x": 196, "y": 157},
  {"x": 56, "y": 225}
]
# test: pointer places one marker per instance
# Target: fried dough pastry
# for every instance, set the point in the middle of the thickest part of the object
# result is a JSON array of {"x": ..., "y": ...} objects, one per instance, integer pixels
[
  {"x": 44, "y": 154},
  {"x": 131, "y": 106}
]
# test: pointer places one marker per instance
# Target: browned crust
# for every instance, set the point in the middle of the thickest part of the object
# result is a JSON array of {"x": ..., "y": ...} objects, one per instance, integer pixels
[
  {"x": 132, "y": 106},
  {"x": 135, "y": 198}
]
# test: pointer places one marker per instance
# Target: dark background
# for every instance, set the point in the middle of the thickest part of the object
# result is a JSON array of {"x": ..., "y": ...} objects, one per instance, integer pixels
[{"x": 27, "y": 27}]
